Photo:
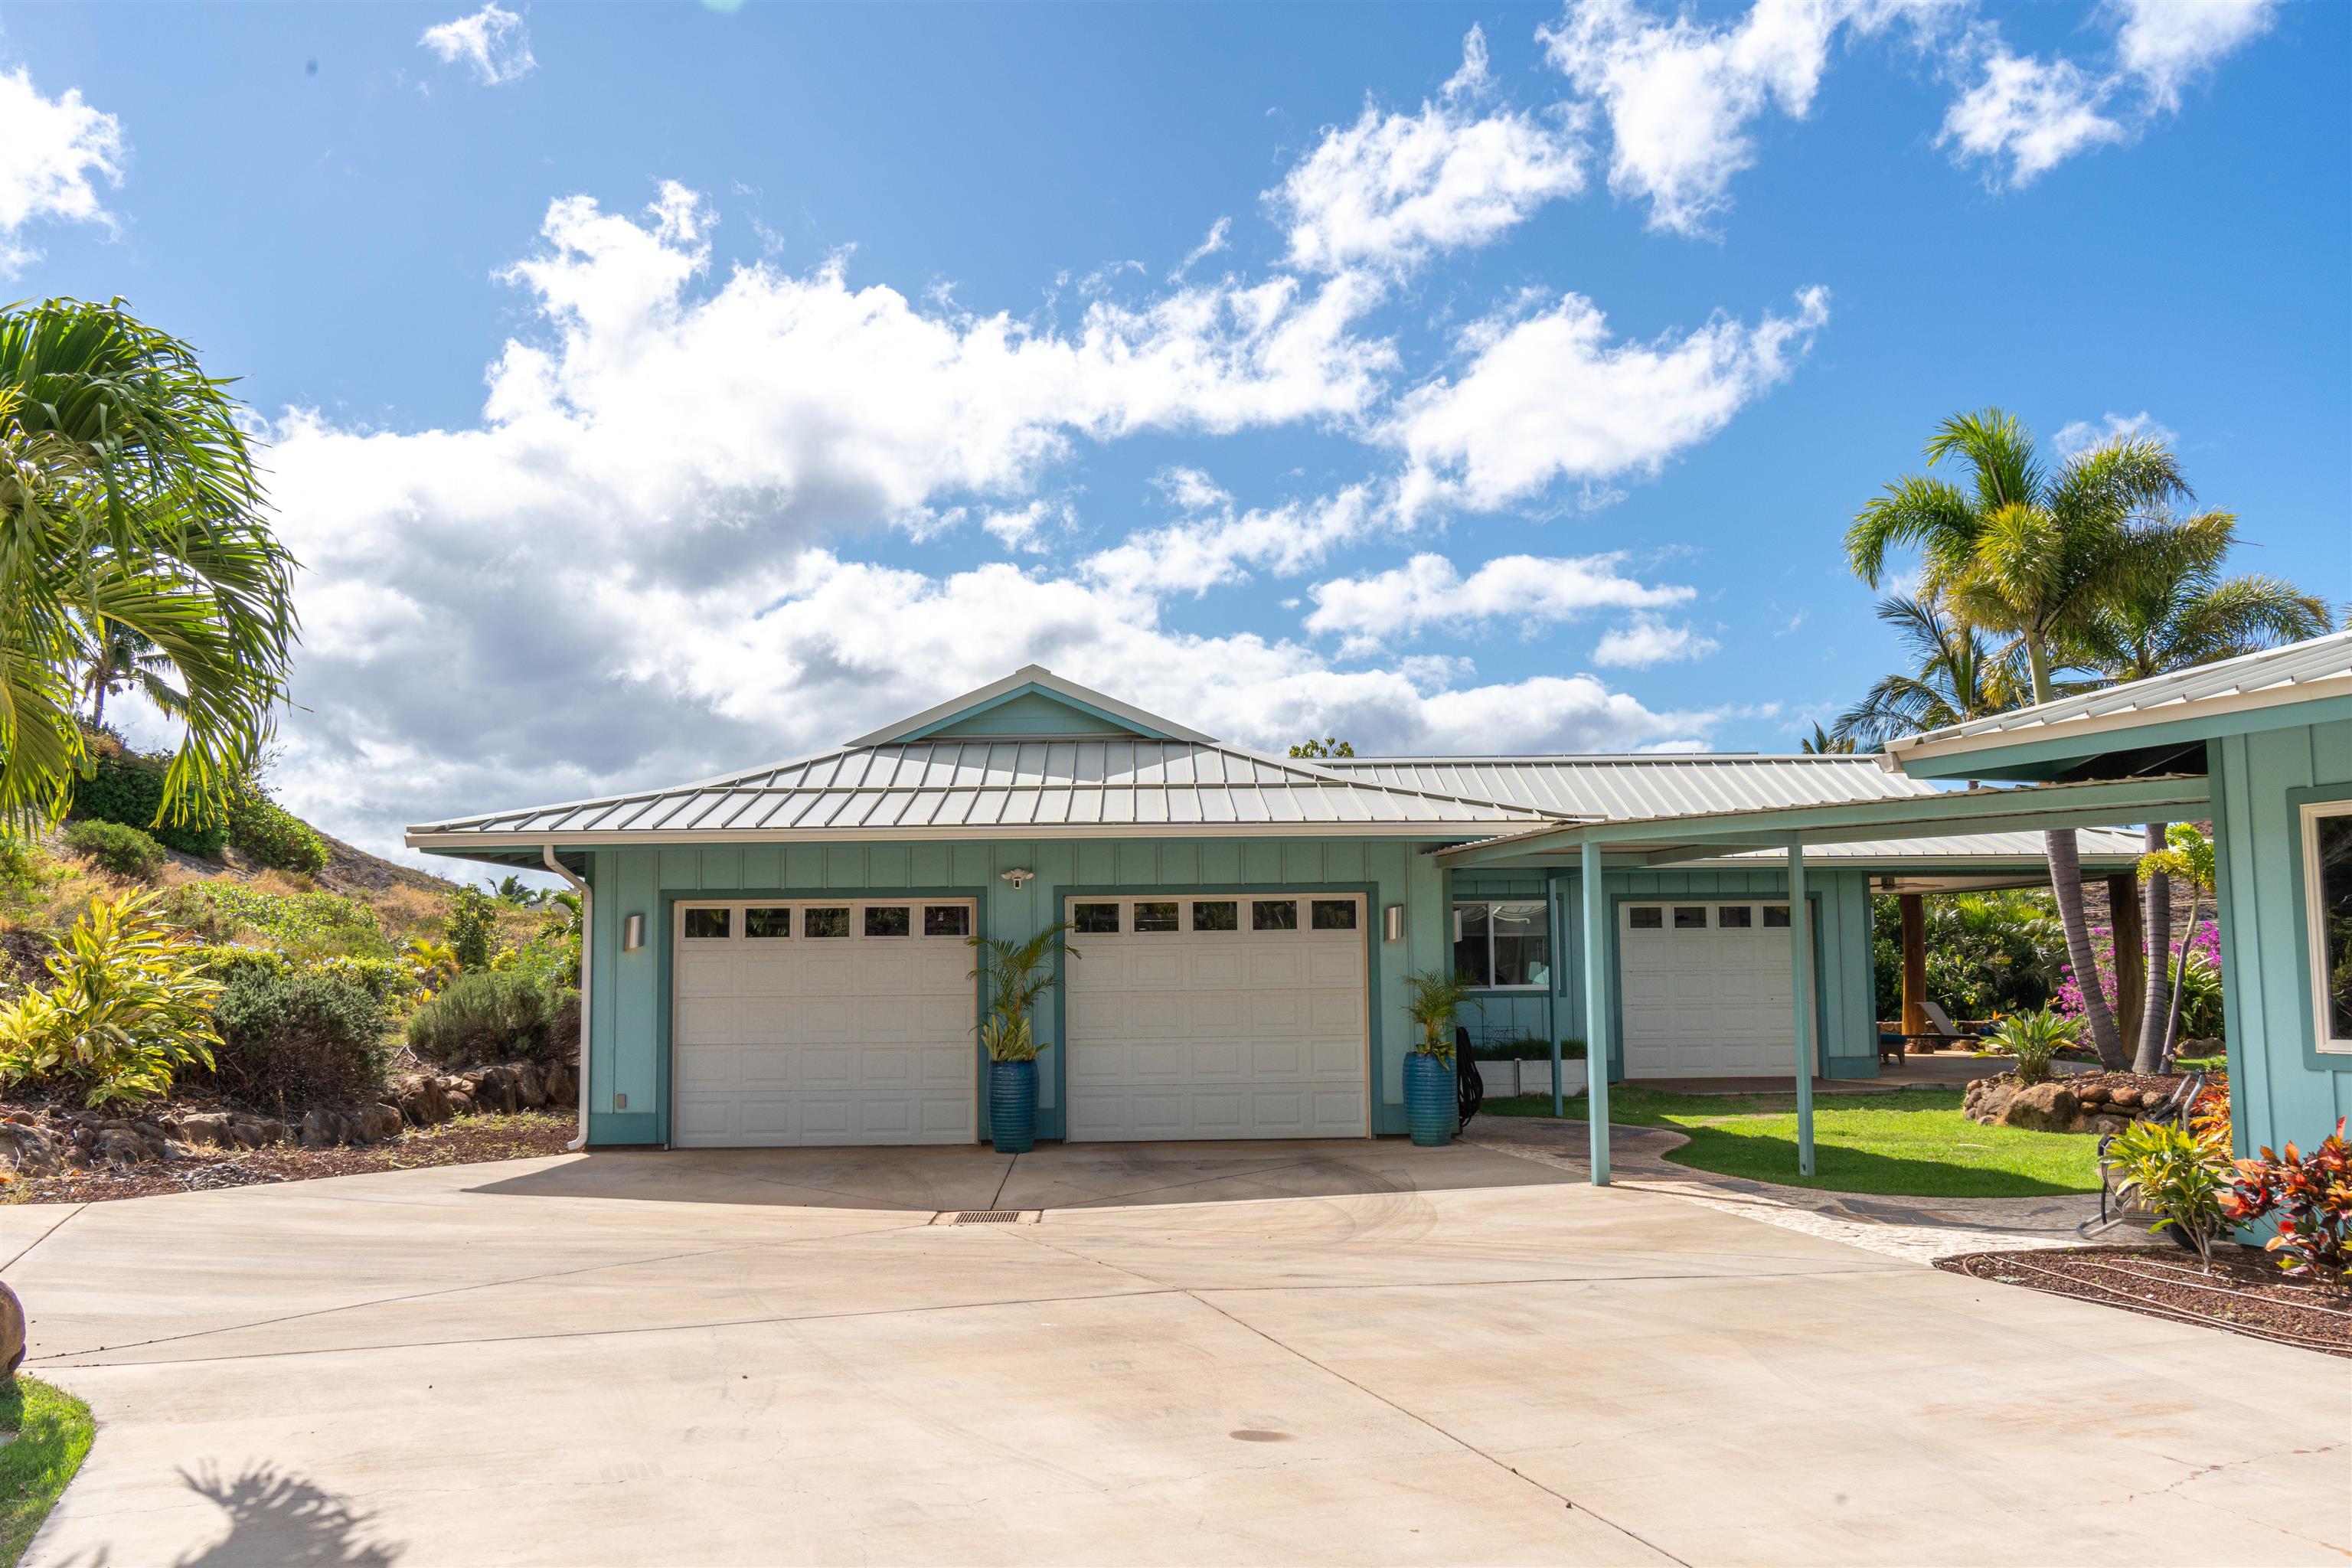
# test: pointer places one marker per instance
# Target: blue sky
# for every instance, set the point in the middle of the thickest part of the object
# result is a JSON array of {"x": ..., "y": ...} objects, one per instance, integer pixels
[{"x": 655, "y": 391}]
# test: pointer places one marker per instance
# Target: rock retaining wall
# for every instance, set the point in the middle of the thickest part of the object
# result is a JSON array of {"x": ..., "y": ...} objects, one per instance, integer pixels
[
  {"x": 2086, "y": 1102},
  {"x": 41, "y": 1143}
]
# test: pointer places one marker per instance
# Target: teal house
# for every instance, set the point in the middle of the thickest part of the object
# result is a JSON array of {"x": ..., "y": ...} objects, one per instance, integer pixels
[
  {"x": 781, "y": 955},
  {"x": 2269, "y": 738}
]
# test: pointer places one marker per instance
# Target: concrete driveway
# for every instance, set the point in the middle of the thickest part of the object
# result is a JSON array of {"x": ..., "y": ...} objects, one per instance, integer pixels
[{"x": 1328, "y": 1353}]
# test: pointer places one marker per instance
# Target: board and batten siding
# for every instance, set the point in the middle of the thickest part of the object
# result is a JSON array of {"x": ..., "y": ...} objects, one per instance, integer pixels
[
  {"x": 2281, "y": 1087},
  {"x": 629, "y": 1051}
]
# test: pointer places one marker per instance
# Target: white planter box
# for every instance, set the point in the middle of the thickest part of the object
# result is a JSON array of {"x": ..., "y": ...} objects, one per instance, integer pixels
[{"x": 1529, "y": 1078}]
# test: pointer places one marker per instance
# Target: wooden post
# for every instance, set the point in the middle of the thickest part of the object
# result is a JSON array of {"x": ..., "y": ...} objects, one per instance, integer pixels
[
  {"x": 1915, "y": 963},
  {"x": 2131, "y": 957}
]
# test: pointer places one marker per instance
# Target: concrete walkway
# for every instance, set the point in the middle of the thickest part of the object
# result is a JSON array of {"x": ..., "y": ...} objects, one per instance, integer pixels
[{"x": 1328, "y": 1353}]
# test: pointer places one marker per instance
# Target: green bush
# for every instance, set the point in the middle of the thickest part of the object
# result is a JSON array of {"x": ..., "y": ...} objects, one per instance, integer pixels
[
  {"x": 386, "y": 979},
  {"x": 472, "y": 927},
  {"x": 273, "y": 834},
  {"x": 126, "y": 1008},
  {"x": 125, "y": 851},
  {"x": 127, "y": 786},
  {"x": 487, "y": 1016},
  {"x": 300, "y": 925},
  {"x": 1526, "y": 1048},
  {"x": 298, "y": 1037},
  {"x": 1987, "y": 952}
]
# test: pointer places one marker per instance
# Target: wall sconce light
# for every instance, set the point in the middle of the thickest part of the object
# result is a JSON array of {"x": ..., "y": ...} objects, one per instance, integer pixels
[
  {"x": 1457, "y": 925},
  {"x": 1019, "y": 877},
  {"x": 633, "y": 933},
  {"x": 1392, "y": 923}
]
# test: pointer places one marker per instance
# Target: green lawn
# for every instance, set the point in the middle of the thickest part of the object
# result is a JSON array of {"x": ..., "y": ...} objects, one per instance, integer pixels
[
  {"x": 52, "y": 1432},
  {"x": 1913, "y": 1143}
]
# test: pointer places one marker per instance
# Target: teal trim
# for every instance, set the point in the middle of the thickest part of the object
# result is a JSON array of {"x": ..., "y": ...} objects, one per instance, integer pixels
[
  {"x": 2306, "y": 983},
  {"x": 1599, "y": 1035},
  {"x": 2048, "y": 757},
  {"x": 1030, "y": 710},
  {"x": 624, "y": 1130},
  {"x": 1804, "y": 956},
  {"x": 665, "y": 1049}
]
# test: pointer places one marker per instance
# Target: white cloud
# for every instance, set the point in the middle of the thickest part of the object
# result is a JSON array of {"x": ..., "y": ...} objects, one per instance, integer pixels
[
  {"x": 493, "y": 41},
  {"x": 2082, "y": 435},
  {"x": 1646, "y": 640},
  {"x": 2167, "y": 44},
  {"x": 1217, "y": 545},
  {"x": 1547, "y": 395},
  {"x": 1428, "y": 590},
  {"x": 1682, "y": 96},
  {"x": 51, "y": 151},
  {"x": 2028, "y": 115},
  {"x": 1391, "y": 189},
  {"x": 1219, "y": 236},
  {"x": 1472, "y": 79}
]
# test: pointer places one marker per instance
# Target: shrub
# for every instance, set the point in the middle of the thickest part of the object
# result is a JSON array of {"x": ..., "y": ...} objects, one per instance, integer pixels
[
  {"x": 1987, "y": 952},
  {"x": 128, "y": 1008},
  {"x": 125, "y": 851},
  {"x": 1526, "y": 1048},
  {"x": 127, "y": 786},
  {"x": 301, "y": 925},
  {"x": 2185, "y": 1179},
  {"x": 2312, "y": 1196},
  {"x": 473, "y": 923},
  {"x": 386, "y": 979},
  {"x": 484, "y": 1016},
  {"x": 273, "y": 834},
  {"x": 299, "y": 1037},
  {"x": 2033, "y": 1038}
]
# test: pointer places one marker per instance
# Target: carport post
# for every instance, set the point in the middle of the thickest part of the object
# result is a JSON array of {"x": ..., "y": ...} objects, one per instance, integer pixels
[
  {"x": 1800, "y": 962},
  {"x": 1596, "y": 1013}
]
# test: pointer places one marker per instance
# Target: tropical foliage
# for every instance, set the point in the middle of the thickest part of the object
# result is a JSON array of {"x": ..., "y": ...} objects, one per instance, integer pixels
[
  {"x": 472, "y": 928},
  {"x": 1329, "y": 746},
  {"x": 2178, "y": 1176},
  {"x": 298, "y": 1037},
  {"x": 2310, "y": 1197},
  {"x": 124, "y": 850},
  {"x": 127, "y": 1008},
  {"x": 1955, "y": 677},
  {"x": 303, "y": 926},
  {"x": 271, "y": 834},
  {"x": 2034, "y": 1039},
  {"x": 130, "y": 787},
  {"x": 1017, "y": 973},
  {"x": 1432, "y": 998},
  {"x": 1987, "y": 953},
  {"x": 128, "y": 498}
]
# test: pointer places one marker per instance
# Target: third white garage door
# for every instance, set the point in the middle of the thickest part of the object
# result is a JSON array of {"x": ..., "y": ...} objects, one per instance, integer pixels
[
  {"x": 1231, "y": 1016},
  {"x": 1705, "y": 989}
]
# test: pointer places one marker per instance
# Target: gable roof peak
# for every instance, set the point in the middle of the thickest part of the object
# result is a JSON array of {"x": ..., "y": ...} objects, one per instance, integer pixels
[{"x": 1034, "y": 678}]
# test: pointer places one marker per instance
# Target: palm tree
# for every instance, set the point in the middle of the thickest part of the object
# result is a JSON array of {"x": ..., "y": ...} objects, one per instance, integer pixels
[
  {"x": 1958, "y": 678},
  {"x": 2035, "y": 554},
  {"x": 128, "y": 500},
  {"x": 1826, "y": 742},
  {"x": 2177, "y": 619},
  {"x": 122, "y": 658}
]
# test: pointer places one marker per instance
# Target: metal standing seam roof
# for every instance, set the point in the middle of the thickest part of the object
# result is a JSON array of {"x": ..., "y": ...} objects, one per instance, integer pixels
[
  {"x": 2097, "y": 846},
  {"x": 995, "y": 785},
  {"x": 1627, "y": 788},
  {"x": 2319, "y": 668}
]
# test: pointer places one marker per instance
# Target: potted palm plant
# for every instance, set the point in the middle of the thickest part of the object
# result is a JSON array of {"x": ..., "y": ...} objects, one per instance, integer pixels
[
  {"x": 1017, "y": 974},
  {"x": 1430, "y": 1097}
]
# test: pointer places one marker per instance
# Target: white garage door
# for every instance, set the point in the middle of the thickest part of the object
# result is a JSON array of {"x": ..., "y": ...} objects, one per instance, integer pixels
[
  {"x": 1233, "y": 1015},
  {"x": 1704, "y": 989},
  {"x": 815, "y": 1022}
]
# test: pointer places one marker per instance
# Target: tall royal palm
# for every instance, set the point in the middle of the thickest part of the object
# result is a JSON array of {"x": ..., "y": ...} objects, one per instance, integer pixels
[
  {"x": 2035, "y": 555},
  {"x": 2177, "y": 619},
  {"x": 128, "y": 500}
]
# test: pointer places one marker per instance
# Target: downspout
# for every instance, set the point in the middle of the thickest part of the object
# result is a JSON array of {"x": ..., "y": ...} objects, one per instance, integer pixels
[{"x": 587, "y": 956}]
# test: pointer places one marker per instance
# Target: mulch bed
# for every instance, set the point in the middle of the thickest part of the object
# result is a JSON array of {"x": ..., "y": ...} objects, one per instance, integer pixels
[
  {"x": 468, "y": 1140},
  {"x": 2244, "y": 1294}
]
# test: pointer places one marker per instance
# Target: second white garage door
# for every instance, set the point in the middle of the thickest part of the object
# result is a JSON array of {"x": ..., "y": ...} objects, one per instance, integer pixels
[
  {"x": 1233, "y": 1016},
  {"x": 1705, "y": 989},
  {"x": 825, "y": 1022}
]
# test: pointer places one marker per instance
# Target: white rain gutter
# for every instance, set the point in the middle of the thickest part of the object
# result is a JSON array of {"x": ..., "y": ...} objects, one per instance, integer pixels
[{"x": 587, "y": 954}]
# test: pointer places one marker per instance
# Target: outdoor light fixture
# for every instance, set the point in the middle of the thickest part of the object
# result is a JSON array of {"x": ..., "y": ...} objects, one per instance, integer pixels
[
  {"x": 1019, "y": 877},
  {"x": 633, "y": 933},
  {"x": 1392, "y": 923}
]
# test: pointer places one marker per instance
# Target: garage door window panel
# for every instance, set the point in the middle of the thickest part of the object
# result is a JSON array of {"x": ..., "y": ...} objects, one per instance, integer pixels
[
  {"x": 1216, "y": 914},
  {"x": 1156, "y": 915},
  {"x": 1095, "y": 920},
  {"x": 1274, "y": 914},
  {"x": 767, "y": 924},
  {"x": 827, "y": 922}
]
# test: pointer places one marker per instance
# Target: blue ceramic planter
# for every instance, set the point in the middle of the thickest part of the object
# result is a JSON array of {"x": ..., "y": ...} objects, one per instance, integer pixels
[
  {"x": 1430, "y": 1099},
  {"x": 1013, "y": 1106}
]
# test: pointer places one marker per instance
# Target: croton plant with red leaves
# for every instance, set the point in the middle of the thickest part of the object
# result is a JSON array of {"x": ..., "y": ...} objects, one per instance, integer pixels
[{"x": 2311, "y": 1195}]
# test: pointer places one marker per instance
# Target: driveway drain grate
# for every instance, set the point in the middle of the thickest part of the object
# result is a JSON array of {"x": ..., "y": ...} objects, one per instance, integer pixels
[{"x": 989, "y": 1216}]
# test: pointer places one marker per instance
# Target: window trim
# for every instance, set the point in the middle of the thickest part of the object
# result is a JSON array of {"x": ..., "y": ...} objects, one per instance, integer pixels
[
  {"x": 1552, "y": 958},
  {"x": 2313, "y": 949}
]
